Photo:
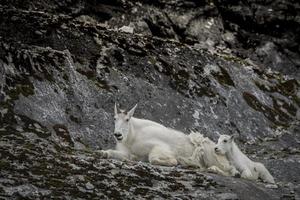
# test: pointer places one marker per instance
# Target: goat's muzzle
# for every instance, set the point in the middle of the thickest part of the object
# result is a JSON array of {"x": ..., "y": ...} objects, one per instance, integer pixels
[
  {"x": 217, "y": 150},
  {"x": 118, "y": 136}
]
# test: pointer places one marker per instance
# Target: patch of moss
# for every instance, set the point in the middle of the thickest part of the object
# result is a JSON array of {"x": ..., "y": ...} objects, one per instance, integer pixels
[
  {"x": 288, "y": 87},
  {"x": 296, "y": 99},
  {"x": 68, "y": 110},
  {"x": 89, "y": 73},
  {"x": 44, "y": 75},
  {"x": 66, "y": 77},
  {"x": 63, "y": 132},
  {"x": 153, "y": 61},
  {"x": 181, "y": 80},
  {"x": 233, "y": 59},
  {"x": 30, "y": 127},
  {"x": 25, "y": 89},
  {"x": 276, "y": 116},
  {"x": 223, "y": 77},
  {"x": 290, "y": 108},
  {"x": 4, "y": 164},
  {"x": 167, "y": 67},
  {"x": 29, "y": 146},
  {"x": 9, "y": 117},
  {"x": 56, "y": 183},
  {"x": 176, "y": 186},
  {"x": 200, "y": 91},
  {"x": 264, "y": 87},
  {"x": 141, "y": 191},
  {"x": 103, "y": 84}
]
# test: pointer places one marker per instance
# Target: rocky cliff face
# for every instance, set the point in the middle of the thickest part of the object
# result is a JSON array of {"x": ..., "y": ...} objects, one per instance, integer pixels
[{"x": 189, "y": 65}]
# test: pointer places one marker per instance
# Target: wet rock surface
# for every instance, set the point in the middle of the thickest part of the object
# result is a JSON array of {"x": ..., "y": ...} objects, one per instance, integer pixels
[{"x": 63, "y": 64}]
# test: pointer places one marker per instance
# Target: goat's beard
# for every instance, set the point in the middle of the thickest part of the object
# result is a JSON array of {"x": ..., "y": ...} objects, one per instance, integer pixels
[{"x": 220, "y": 152}]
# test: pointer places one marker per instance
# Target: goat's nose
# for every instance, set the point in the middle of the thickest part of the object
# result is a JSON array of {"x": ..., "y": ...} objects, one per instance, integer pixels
[
  {"x": 117, "y": 134},
  {"x": 216, "y": 148}
]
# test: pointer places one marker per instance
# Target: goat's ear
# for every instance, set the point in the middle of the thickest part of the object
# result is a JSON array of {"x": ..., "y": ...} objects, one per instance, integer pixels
[
  {"x": 116, "y": 109},
  {"x": 131, "y": 112},
  {"x": 231, "y": 137}
]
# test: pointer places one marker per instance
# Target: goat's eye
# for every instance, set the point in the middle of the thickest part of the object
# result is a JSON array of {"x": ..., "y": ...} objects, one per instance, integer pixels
[
  {"x": 225, "y": 141},
  {"x": 127, "y": 120}
]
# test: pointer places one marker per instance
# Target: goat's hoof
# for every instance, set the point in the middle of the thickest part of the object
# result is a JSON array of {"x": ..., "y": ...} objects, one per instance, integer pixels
[
  {"x": 102, "y": 154},
  {"x": 237, "y": 175}
]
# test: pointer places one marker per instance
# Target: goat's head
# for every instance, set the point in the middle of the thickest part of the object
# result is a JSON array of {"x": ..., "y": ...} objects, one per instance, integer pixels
[
  {"x": 122, "y": 119},
  {"x": 224, "y": 144}
]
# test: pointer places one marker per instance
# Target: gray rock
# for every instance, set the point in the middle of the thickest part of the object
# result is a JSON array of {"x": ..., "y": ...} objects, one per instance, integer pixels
[
  {"x": 227, "y": 196},
  {"x": 58, "y": 91},
  {"x": 89, "y": 186}
]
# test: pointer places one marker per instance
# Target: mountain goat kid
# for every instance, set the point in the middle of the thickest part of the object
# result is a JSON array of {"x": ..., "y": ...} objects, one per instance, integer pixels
[
  {"x": 248, "y": 168},
  {"x": 205, "y": 157}
]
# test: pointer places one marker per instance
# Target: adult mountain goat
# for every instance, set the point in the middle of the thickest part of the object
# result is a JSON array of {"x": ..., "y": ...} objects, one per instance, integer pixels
[{"x": 145, "y": 140}]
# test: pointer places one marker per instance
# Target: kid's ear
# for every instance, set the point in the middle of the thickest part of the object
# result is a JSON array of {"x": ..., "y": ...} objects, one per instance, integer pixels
[
  {"x": 234, "y": 136},
  {"x": 131, "y": 112}
]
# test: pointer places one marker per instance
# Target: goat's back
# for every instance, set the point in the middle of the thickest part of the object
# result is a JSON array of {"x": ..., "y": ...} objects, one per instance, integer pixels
[{"x": 152, "y": 135}]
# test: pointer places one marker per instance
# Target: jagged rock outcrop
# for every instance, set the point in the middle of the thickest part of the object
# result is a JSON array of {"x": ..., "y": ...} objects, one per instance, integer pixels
[{"x": 63, "y": 64}]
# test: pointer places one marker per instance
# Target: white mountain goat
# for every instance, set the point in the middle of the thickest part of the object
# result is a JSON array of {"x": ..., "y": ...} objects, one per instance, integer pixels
[
  {"x": 145, "y": 140},
  {"x": 248, "y": 168},
  {"x": 205, "y": 157}
]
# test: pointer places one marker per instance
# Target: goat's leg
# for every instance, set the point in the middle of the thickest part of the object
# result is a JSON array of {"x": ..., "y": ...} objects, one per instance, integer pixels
[
  {"x": 161, "y": 155},
  {"x": 247, "y": 174},
  {"x": 114, "y": 154},
  {"x": 223, "y": 164},
  {"x": 189, "y": 162},
  {"x": 234, "y": 172},
  {"x": 216, "y": 170},
  {"x": 186, "y": 162},
  {"x": 263, "y": 173}
]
